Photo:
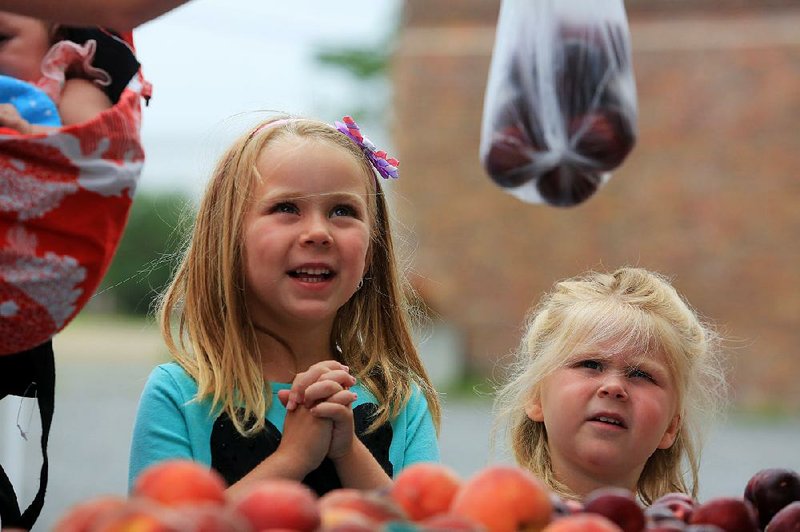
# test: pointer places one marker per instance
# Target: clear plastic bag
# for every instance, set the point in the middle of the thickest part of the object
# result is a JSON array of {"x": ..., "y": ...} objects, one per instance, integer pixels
[{"x": 560, "y": 106}]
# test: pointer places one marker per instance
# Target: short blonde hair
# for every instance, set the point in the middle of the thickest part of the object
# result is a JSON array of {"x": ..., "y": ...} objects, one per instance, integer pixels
[
  {"x": 631, "y": 308},
  {"x": 205, "y": 321}
]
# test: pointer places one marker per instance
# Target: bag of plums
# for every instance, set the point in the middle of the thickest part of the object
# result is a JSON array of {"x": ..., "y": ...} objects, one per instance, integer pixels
[{"x": 560, "y": 106}]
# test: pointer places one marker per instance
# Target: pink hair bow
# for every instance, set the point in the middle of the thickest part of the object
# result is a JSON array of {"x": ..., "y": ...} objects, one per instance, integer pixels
[{"x": 385, "y": 165}]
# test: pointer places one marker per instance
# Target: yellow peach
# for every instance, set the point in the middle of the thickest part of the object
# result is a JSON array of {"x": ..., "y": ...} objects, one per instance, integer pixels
[
  {"x": 425, "y": 489},
  {"x": 504, "y": 499}
]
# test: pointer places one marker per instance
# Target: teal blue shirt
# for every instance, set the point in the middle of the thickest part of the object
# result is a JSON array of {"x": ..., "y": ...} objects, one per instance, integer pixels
[{"x": 171, "y": 424}]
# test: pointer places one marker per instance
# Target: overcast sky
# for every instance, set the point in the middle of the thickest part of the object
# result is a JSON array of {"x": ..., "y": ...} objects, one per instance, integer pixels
[{"x": 212, "y": 60}]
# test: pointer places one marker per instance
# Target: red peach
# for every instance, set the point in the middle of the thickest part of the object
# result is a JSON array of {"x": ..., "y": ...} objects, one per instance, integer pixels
[
  {"x": 728, "y": 513},
  {"x": 138, "y": 516},
  {"x": 178, "y": 482},
  {"x": 278, "y": 503},
  {"x": 618, "y": 505},
  {"x": 582, "y": 523},
  {"x": 425, "y": 489},
  {"x": 504, "y": 498},
  {"x": 346, "y": 520},
  {"x": 378, "y": 507},
  {"x": 83, "y": 516},
  {"x": 211, "y": 518},
  {"x": 447, "y": 522}
]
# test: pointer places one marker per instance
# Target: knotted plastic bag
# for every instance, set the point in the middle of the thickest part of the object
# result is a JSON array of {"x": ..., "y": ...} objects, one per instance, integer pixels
[{"x": 560, "y": 107}]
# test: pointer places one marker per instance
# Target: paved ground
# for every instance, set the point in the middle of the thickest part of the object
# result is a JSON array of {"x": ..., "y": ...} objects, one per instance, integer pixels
[{"x": 96, "y": 402}]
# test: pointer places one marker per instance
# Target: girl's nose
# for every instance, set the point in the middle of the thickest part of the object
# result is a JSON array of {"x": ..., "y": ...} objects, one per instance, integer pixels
[
  {"x": 316, "y": 232},
  {"x": 612, "y": 388}
]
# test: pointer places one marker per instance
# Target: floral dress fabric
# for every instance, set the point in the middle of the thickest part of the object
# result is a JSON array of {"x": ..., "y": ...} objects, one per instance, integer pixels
[{"x": 64, "y": 202}]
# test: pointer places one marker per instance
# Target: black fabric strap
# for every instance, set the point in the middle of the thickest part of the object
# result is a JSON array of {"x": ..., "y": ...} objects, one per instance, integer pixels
[
  {"x": 29, "y": 373},
  {"x": 112, "y": 55}
]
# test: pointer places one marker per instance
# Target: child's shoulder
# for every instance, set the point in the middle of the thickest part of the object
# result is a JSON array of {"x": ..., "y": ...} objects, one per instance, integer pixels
[
  {"x": 172, "y": 374},
  {"x": 416, "y": 399},
  {"x": 363, "y": 393}
]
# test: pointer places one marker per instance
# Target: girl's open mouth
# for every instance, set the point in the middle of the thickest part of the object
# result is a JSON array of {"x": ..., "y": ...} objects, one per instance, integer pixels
[
  {"x": 609, "y": 420},
  {"x": 312, "y": 275}
]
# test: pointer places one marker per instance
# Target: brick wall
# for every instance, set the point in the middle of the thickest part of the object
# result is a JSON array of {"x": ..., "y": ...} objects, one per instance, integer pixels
[{"x": 708, "y": 196}]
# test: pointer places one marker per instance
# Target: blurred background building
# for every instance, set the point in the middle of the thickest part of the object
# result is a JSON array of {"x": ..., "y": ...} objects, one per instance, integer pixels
[{"x": 708, "y": 196}]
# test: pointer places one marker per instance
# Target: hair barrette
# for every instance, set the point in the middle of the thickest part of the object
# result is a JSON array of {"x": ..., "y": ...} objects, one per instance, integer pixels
[{"x": 385, "y": 165}]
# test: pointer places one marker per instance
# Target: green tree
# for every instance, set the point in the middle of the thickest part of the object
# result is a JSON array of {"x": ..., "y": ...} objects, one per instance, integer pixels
[
  {"x": 148, "y": 253},
  {"x": 362, "y": 64},
  {"x": 367, "y": 66}
]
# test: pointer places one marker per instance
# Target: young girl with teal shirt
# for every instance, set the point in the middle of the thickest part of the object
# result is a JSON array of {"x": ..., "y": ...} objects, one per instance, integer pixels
[{"x": 288, "y": 322}]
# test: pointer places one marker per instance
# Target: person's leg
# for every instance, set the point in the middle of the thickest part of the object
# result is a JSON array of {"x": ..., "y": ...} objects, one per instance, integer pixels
[{"x": 29, "y": 373}]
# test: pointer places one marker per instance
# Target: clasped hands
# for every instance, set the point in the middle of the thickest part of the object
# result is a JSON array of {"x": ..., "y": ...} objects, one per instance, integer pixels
[{"x": 319, "y": 415}]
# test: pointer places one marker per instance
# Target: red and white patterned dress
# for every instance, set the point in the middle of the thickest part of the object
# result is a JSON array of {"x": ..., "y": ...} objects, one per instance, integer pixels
[{"x": 64, "y": 202}]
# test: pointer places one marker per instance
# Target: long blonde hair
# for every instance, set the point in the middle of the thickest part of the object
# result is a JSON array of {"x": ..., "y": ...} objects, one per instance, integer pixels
[
  {"x": 631, "y": 308},
  {"x": 206, "y": 324}
]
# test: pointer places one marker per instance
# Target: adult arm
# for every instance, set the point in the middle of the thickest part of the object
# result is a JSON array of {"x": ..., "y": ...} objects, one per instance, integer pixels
[{"x": 121, "y": 15}]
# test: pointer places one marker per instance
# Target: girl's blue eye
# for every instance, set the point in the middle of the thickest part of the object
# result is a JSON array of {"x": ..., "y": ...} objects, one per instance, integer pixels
[
  {"x": 640, "y": 374},
  {"x": 590, "y": 364},
  {"x": 343, "y": 210},
  {"x": 285, "y": 207}
]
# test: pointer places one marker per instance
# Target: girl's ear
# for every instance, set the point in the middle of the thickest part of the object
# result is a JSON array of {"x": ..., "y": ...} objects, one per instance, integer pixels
[
  {"x": 671, "y": 433},
  {"x": 533, "y": 408}
]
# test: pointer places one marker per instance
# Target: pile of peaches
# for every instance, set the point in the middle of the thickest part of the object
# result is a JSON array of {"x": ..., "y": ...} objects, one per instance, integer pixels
[{"x": 183, "y": 496}]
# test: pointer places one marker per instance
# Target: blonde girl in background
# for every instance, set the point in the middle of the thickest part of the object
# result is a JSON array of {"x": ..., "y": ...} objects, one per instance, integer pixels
[
  {"x": 614, "y": 382},
  {"x": 289, "y": 295}
]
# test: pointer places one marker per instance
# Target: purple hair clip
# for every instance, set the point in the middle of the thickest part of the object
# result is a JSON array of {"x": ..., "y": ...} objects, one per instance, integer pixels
[{"x": 385, "y": 165}]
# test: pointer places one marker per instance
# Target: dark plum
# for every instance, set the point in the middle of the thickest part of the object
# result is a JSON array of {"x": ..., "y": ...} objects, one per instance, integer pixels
[
  {"x": 786, "y": 520},
  {"x": 731, "y": 514},
  {"x": 660, "y": 517},
  {"x": 771, "y": 489},
  {"x": 618, "y": 505}
]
